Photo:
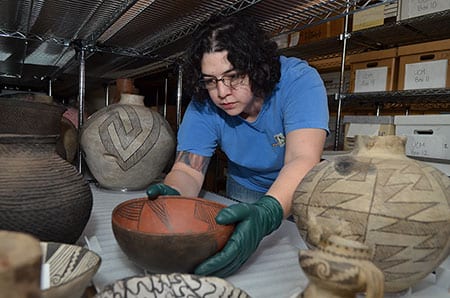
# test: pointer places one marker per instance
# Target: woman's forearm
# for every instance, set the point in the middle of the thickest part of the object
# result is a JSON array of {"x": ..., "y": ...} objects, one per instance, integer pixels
[
  {"x": 304, "y": 149},
  {"x": 287, "y": 181},
  {"x": 185, "y": 179}
]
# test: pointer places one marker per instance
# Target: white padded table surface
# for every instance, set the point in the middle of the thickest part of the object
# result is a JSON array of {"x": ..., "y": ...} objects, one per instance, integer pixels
[{"x": 272, "y": 271}]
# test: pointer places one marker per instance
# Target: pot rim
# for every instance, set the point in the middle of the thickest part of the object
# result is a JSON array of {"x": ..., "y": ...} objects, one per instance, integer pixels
[{"x": 115, "y": 210}]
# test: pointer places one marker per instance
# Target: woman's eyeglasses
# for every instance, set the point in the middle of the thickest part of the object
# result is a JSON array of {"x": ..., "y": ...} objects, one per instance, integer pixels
[{"x": 232, "y": 80}]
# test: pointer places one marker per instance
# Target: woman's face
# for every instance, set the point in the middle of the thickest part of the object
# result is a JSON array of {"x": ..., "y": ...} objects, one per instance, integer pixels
[{"x": 236, "y": 98}]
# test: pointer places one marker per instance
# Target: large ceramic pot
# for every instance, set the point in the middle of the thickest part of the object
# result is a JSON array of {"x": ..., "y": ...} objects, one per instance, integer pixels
[
  {"x": 127, "y": 145},
  {"x": 41, "y": 193},
  {"x": 376, "y": 195}
]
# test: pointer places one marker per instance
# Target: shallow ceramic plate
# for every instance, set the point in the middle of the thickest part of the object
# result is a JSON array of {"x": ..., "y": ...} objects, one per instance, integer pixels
[
  {"x": 171, "y": 285},
  {"x": 71, "y": 269}
]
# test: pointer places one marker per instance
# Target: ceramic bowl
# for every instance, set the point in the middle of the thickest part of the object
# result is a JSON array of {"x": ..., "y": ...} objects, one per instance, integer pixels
[
  {"x": 169, "y": 234},
  {"x": 172, "y": 285},
  {"x": 71, "y": 269}
]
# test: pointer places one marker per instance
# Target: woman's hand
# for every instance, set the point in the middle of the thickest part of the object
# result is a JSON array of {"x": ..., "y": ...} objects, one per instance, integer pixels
[
  {"x": 254, "y": 222},
  {"x": 160, "y": 189}
]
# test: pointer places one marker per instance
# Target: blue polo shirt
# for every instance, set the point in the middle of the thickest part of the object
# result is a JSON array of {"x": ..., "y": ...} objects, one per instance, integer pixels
[{"x": 256, "y": 150}]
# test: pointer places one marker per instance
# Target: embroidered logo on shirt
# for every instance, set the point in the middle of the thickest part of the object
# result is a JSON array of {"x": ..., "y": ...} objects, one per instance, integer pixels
[{"x": 280, "y": 140}]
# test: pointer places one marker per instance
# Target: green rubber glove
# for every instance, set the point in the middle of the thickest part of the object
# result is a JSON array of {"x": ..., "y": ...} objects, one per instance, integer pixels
[
  {"x": 160, "y": 189},
  {"x": 254, "y": 221}
]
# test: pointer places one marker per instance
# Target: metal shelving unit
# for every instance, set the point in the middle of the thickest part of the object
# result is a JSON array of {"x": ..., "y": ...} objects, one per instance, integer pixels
[
  {"x": 76, "y": 42},
  {"x": 47, "y": 43},
  {"x": 393, "y": 34},
  {"x": 126, "y": 38}
]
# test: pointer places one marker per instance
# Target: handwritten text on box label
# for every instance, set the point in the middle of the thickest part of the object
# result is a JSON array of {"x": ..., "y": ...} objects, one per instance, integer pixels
[
  {"x": 434, "y": 146},
  {"x": 371, "y": 79},
  {"x": 432, "y": 74}
]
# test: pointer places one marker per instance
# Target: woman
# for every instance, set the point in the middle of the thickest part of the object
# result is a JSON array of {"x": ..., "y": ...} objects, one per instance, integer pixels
[{"x": 267, "y": 113}]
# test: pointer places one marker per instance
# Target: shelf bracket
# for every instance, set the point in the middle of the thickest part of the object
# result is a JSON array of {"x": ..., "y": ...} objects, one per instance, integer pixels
[{"x": 344, "y": 36}]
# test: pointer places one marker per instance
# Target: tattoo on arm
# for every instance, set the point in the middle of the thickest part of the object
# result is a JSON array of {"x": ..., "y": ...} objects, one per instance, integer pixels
[{"x": 197, "y": 162}]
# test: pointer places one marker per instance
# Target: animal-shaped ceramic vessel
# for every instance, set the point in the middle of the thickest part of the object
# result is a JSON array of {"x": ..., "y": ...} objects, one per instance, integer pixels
[{"x": 340, "y": 268}]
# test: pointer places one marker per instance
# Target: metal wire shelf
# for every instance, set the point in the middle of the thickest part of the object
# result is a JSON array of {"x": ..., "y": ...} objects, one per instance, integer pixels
[
  {"x": 392, "y": 34},
  {"x": 418, "y": 100},
  {"x": 405, "y": 96}
]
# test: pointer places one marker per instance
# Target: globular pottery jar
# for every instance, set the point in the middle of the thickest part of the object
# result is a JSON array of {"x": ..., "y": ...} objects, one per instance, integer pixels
[
  {"x": 40, "y": 193},
  {"x": 127, "y": 145},
  {"x": 340, "y": 268},
  {"x": 397, "y": 206}
]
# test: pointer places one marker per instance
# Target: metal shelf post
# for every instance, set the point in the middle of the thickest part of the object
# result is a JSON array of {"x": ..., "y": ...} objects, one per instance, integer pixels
[{"x": 343, "y": 37}]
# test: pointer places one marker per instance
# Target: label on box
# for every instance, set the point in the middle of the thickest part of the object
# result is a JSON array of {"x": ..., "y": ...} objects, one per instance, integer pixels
[
  {"x": 371, "y": 79},
  {"x": 432, "y": 74},
  {"x": 434, "y": 146},
  {"x": 421, "y": 7},
  {"x": 368, "y": 18},
  {"x": 331, "y": 81}
]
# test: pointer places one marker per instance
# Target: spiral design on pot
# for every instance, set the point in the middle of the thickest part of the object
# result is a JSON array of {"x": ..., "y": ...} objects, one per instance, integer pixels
[
  {"x": 314, "y": 266},
  {"x": 323, "y": 269}
]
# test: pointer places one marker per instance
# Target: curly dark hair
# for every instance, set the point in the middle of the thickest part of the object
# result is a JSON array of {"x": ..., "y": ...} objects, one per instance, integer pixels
[{"x": 250, "y": 51}]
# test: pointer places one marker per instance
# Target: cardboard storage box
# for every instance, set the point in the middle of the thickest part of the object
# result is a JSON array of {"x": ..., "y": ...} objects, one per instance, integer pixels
[
  {"x": 415, "y": 8},
  {"x": 328, "y": 64},
  {"x": 428, "y": 138},
  {"x": 366, "y": 125},
  {"x": 424, "y": 65},
  {"x": 373, "y": 71},
  {"x": 317, "y": 32},
  {"x": 332, "y": 81}
]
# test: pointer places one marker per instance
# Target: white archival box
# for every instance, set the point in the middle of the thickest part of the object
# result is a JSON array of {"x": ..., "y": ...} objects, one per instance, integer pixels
[{"x": 428, "y": 138}]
